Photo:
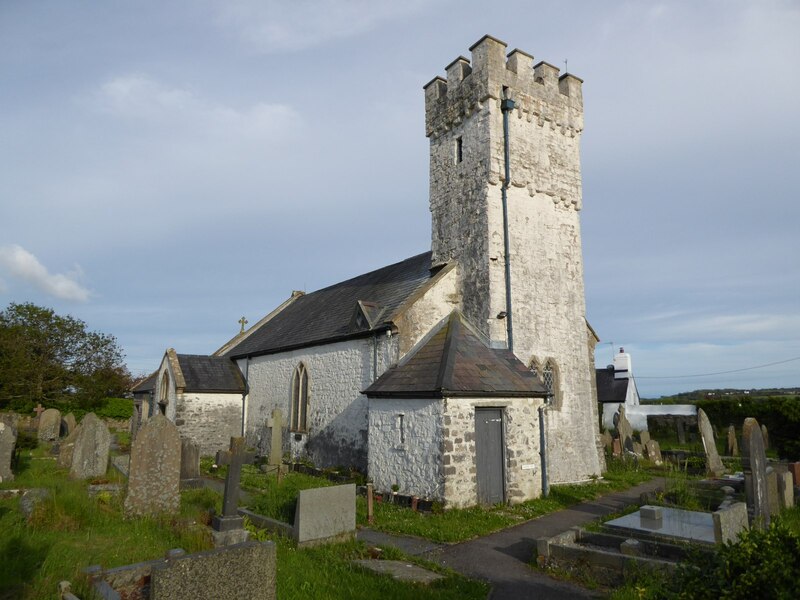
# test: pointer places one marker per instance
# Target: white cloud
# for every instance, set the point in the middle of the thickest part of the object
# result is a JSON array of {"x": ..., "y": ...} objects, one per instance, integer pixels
[
  {"x": 23, "y": 265},
  {"x": 138, "y": 96},
  {"x": 279, "y": 26}
]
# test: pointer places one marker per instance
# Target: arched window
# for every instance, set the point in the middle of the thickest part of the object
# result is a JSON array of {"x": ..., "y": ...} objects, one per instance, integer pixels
[
  {"x": 536, "y": 367},
  {"x": 300, "y": 399},
  {"x": 164, "y": 397},
  {"x": 550, "y": 379}
]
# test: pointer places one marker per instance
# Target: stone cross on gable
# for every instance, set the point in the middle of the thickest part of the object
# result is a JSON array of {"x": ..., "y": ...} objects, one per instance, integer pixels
[
  {"x": 275, "y": 425},
  {"x": 243, "y": 322},
  {"x": 230, "y": 518}
]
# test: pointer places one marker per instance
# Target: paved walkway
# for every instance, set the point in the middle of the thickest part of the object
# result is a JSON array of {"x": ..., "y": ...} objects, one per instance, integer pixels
[{"x": 503, "y": 558}]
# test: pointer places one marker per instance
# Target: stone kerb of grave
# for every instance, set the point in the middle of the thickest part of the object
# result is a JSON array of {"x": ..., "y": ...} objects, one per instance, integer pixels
[
  {"x": 713, "y": 462},
  {"x": 8, "y": 441},
  {"x": 155, "y": 469},
  {"x": 49, "y": 425},
  {"x": 754, "y": 463},
  {"x": 91, "y": 449}
]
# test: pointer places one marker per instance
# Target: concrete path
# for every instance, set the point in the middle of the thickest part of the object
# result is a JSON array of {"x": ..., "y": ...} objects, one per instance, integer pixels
[{"x": 503, "y": 558}]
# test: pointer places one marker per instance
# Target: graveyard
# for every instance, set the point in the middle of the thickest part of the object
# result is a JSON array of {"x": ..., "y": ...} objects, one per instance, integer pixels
[{"x": 89, "y": 512}]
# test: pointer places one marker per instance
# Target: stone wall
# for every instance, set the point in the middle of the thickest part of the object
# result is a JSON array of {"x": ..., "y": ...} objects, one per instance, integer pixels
[
  {"x": 522, "y": 461},
  {"x": 208, "y": 419},
  {"x": 408, "y": 454},
  {"x": 337, "y": 411},
  {"x": 544, "y": 200}
]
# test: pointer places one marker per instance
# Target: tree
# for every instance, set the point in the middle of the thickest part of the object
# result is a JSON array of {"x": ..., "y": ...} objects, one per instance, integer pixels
[{"x": 48, "y": 358}]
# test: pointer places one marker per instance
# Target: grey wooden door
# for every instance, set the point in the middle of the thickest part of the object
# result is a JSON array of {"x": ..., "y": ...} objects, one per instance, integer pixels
[{"x": 489, "y": 455}]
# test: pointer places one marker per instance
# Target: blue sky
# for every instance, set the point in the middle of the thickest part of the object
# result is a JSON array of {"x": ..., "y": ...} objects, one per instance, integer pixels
[{"x": 167, "y": 167}]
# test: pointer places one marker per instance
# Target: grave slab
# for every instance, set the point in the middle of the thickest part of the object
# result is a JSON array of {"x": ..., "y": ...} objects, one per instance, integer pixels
[
  {"x": 402, "y": 571},
  {"x": 675, "y": 523}
]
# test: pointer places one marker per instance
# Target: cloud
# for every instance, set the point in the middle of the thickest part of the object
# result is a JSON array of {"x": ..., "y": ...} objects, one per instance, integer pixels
[
  {"x": 278, "y": 26},
  {"x": 139, "y": 97},
  {"x": 23, "y": 265}
]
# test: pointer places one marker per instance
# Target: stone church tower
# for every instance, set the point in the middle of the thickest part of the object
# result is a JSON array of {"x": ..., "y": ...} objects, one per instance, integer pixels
[{"x": 542, "y": 318}]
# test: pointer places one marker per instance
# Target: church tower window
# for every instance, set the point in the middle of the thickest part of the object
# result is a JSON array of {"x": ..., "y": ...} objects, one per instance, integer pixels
[
  {"x": 300, "y": 399},
  {"x": 550, "y": 376}
]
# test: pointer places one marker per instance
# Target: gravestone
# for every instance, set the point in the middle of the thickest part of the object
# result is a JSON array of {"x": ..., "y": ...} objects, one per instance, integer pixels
[
  {"x": 794, "y": 469},
  {"x": 246, "y": 570},
  {"x": 190, "y": 460},
  {"x": 747, "y": 427},
  {"x": 228, "y": 528},
  {"x": 644, "y": 437},
  {"x": 654, "y": 452},
  {"x": 733, "y": 444},
  {"x": 616, "y": 447},
  {"x": 773, "y": 502},
  {"x": 638, "y": 450},
  {"x": 765, "y": 435},
  {"x": 608, "y": 440},
  {"x": 49, "y": 425},
  {"x": 325, "y": 514},
  {"x": 276, "y": 443},
  {"x": 67, "y": 448},
  {"x": 785, "y": 490},
  {"x": 681, "y": 431},
  {"x": 68, "y": 424},
  {"x": 8, "y": 441},
  {"x": 713, "y": 462},
  {"x": 155, "y": 469},
  {"x": 92, "y": 445},
  {"x": 624, "y": 430},
  {"x": 38, "y": 410},
  {"x": 729, "y": 522},
  {"x": 754, "y": 463}
]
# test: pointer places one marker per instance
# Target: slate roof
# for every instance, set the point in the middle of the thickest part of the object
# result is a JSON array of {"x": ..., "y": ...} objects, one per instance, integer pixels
[
  {"x": 210, "y": 374},
  {"x": 147, "y": 384},
  {"x": 330, "y": 314},
  {"x": 456, "y": 361},
  {"x": 608, "y": 388}
]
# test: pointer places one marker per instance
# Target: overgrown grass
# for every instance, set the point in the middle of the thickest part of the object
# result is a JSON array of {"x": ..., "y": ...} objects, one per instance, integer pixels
[
  {"x": 278, "y": 500},
  {"x": 455, "y": 525},
  {"x": 327, "y": 572}
]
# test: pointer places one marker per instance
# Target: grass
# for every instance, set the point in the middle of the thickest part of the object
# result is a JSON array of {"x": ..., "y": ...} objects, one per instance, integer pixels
[{"x": 459, "y": 524}]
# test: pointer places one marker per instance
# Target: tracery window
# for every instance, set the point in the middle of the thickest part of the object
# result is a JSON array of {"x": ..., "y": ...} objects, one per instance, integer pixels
[{"x": 300, "y": 399}]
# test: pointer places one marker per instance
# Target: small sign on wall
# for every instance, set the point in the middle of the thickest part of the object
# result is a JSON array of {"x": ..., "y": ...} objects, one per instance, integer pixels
[{"x": 528, "y": 467}]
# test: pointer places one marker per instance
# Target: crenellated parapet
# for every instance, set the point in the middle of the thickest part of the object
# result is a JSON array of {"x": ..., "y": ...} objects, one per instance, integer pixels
[{"x": 539, "y": 92}]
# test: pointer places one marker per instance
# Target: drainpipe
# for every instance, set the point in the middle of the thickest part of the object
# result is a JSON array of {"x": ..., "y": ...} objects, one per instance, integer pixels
[
  {"x": 543, "y": 453},
  {"x": 374, "y": 356},
  {"x": 506, "y": 106},
  {"x": 245, "y": 395}
]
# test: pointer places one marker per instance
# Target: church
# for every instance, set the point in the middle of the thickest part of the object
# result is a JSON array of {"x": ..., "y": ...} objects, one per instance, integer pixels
[{"x": 464, "y": 374}]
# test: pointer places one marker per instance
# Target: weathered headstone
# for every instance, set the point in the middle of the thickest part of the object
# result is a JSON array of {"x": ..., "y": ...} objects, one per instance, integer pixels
[
  {"x": 92, "y": 446},
  {"x": 324, "y": 514},
  {"x": 765, "y": 435},
  {"x": 228, "y": 528},
  {"x": 8, "y": 441},
  {"x": 681, "y": 431},
  {"x": 608, "y": 440},
  {"x": 67, "y": 448},
  {"x": 754, "y": 463},
  {"x": 155, "y": 469},
  {"x": 616, "y": 447},
  {"x": 729, "y": 522},
  {"x": 747, "y": 427},
  {"x": 276, "y": 443},
  {"x": 624, "y": 430},
  {"x": 638, "y": 450},
  {"x": 785, "y": 490},
  {"x": 38, "y": 410},
  {"x": 49, "y": 425},
  {"x": 794, "y": 469},
  {"x": 68, "y": 424},
  {"x": 733, "y": 444},
  {"x": 773, "y": 502},
  {"x": 190, "y": 460},
  {"x": 644, "y": 437},
  {"x": 713, "y": 463},
  {"x": 654, "y": 452}
]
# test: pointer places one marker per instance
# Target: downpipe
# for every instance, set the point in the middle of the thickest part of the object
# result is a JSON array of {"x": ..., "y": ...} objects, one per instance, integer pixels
[
  {"x": 543, "y": 452},
  {"x": 506, "y": 106}
]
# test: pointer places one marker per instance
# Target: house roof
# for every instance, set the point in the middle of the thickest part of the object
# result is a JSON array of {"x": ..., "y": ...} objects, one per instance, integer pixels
[
  {"x": 455, "y": 360},
  {"x": 608, "y": 388},
  {"x": 351, "y": 308},
  {"x": 210, "y": 374},
  {"x": 147, "y": 384}
]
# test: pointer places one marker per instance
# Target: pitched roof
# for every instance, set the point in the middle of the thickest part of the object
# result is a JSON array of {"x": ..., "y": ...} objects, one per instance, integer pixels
[
  {"x": 456, "y": 361},
  {"x": 146, "y": 384},
  {"x": 210, "y": 374},
  {"x": 330, "y": 313},
  {"x": 608, "y": 388}
]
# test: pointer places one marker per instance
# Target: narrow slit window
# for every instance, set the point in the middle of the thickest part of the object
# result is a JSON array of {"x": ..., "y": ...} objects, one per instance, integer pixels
[
  {"x": 402, "y": 426},
  {"x": 459, "y": 151},
  {"x": 300, "y": 399}
]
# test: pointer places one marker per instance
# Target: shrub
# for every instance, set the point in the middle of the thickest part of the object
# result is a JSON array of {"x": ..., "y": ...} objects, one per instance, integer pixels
[{"x": 116, "y": 408}]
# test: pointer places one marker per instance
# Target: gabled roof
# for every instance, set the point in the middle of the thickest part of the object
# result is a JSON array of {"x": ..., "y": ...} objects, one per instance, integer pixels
[
  {"x": 203, "y": 373},
  {"x": 328, "y": 314},
  {"x": 147, "y": 384},
  {"x": 456, "y": 361},
  {"x": 610, "y": 389}
]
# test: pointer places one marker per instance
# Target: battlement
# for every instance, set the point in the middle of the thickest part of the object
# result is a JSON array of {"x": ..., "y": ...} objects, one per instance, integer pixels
[{"x": 538, "y": 90}]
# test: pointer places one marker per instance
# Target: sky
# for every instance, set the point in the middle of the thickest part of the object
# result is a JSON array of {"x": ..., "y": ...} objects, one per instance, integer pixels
[{"x": 168, "y": 167}]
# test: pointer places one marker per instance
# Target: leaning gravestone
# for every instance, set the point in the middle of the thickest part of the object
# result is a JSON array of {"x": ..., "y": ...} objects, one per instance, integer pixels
[
  {"x": 765, "y": 435},
  {"x": 654, "y": 452},
  {"x": 754, "y": 463},
  {"x": 644, "y": 437},
  {"x": 8, "y": 440},
  {"x": 733, "y": 444},
  {"x": 67, "y": 448},
  {"x": 624, "y": 430},
  {"x": 68, "y": 424},
  {"x": 713, "y": 462},
  {"x": 92, "y": 446},
  {"x": 190, "y": 460},
  {"x": 155, "y": 469},
  {"x": 49, "y": 425}
]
